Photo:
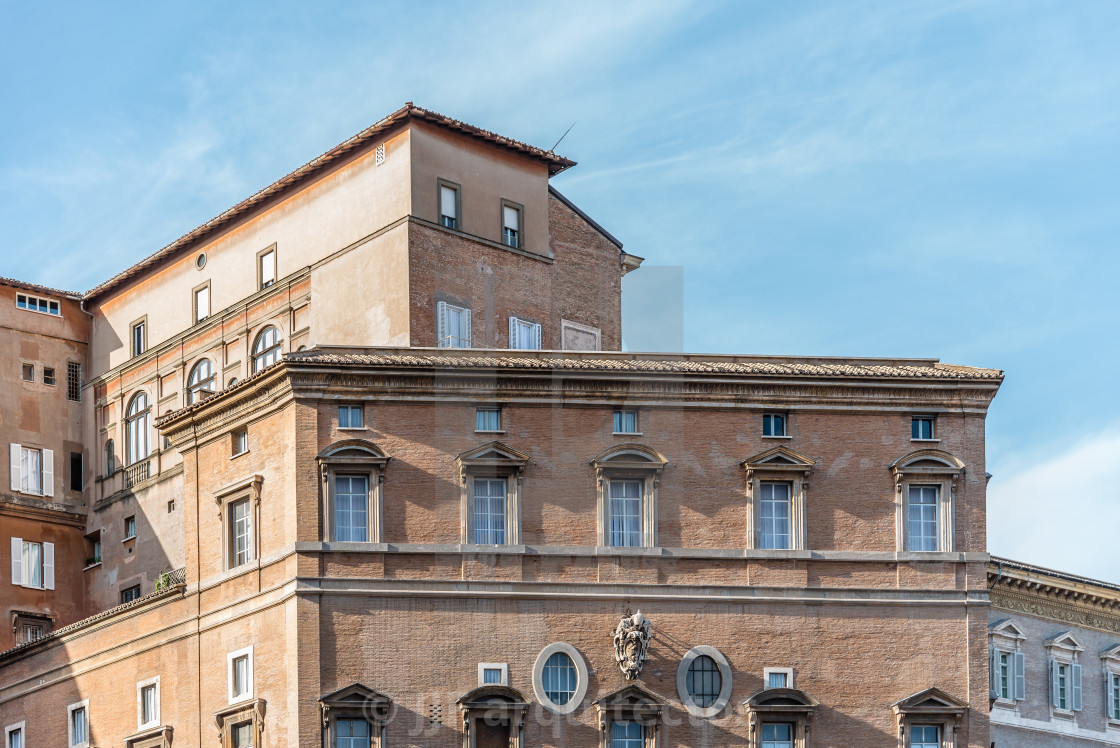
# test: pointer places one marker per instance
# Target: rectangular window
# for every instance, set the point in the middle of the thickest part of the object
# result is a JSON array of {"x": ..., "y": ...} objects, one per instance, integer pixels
[
  {"x": 511, "y": 225},
  {"x": 201, "y": 303},
  {"x": 240, "y": 541},
  {"x": 79, "y": 726},
  {"x": 73, "y": 381},
  {"x": 626, "y": 422},
  {"x": 240, "y": 442},
  {"x": 28, "y": 372},
  {"x": 351, "y": 508},
  {"x": 454, "y": 326},
  {"x": 777, "y": 735},
  {"x": 777, "y": 680},
  {"x": 30, "y": 632},
  {"x": 139, "y": 336},
  {"x": 1114, "y": 695},
  {"x": 48, "y": 376},
  {"x": 626, "y": 512},
  {"x": 76, "y": 471},
  {"x": 491, "y": 675},
  {"x": 32, "y": 559},
  {"x": 524, "y": 336},
  {"x": 449, "y": 205},
  {"x": 489, "y": 511},
  {"x": 1061, "y": 686},
  {"x": 130, "y": 527},
  {"x": 240, "y": 665},
  {"x": 266, "y": 268},
  {"x": 925, "y": 736},
  {"x": 350, "y": 416},
  {"x": 148, "y": 696},
  {"x": 626, "y": 734},
  {"x": 130, "y": 593},
  {"x": 37, "y": 304},
  {"x": 31, "y": 471},
  {"x": 15, "y": 738},
  {"x": 922, "y": 520},
  {"x": 921, "y": 427},
  {"x": 488, "y": 419},
  {"x": 352, "y": 733},
  {"x": 1004, "y": 675},
  {"x": 773, "y": 516},
  {"x": 241, "y": 736},
  {"x": 773, "y": 424}
]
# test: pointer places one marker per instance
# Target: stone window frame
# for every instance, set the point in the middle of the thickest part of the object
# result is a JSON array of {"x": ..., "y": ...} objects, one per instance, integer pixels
[
  {"x": 142, "y": 323},
  {"x": 725, "y": 681},
  {"x": 493, "y": 702},
  {"x": 782, "y": 706},
  {"x": 1006, "y": 637},
  {"x": 21, "y": 727},
  {"x": 503, "y": 667},
  {"x": 353, "y": 457},
  {"x": 231, "y": 657},
  {"x": 157, "y": 737},
  {"x": 20, "y": 618},
  {"x": 582, "y": 678},
  {"x": 271, "y": 248},
  {"x": 927, "y": 467},
  {"x": 778, "y": 465},
  {"x": 628, "y": 462},
  {"x": 520, "y": 209},
  {"x": 929, "y": 707},
  {"x": 491, "y": 460},
  {"x": 1110, "y": 665},
  {"x": 84, "y": 705},
  {"x": 141, "y": 725},
  {"x": 247, "y": 488},
  {"x": 1064, "y": 648},
  {"x": 251, "y": 711},
  {"x": 631, "y": 703},
  {"x": 195, "y": 311},
  {"x": 458, "y": 190},
  {"x": 356, "y": 701},
  {"x": 259, "y": 354},
  {"x": 786, "y": 671},
  {"x": 197, "y": 390}
]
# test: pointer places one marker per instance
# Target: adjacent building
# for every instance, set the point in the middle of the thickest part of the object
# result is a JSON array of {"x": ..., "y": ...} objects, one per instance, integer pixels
[
  {"x": 1054, "y": 649},
  {"x": 363, "y": 465}
]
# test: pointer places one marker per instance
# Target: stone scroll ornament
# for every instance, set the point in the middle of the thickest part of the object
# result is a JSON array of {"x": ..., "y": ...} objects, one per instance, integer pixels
[{"x": 631, "y": 642}]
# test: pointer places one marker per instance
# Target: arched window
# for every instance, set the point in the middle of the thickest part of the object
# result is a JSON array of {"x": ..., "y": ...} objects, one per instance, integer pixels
[
  {"x": 266, "y": 349},
  {"x": 137, "y": 426},
  {"x": 201, "y": 380}
]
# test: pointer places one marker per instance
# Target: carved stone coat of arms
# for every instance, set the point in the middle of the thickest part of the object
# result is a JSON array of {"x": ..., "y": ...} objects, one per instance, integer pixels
[{"x": 631, "y": 642}]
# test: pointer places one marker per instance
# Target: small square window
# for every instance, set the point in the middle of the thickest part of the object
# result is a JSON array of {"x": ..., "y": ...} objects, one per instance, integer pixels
[
  {"x": 240, "y": 442},
  {"x": 130, "y": 593},
  {"x": 921, "y": 427},
  {"x": 493, "y": 673},
  {"x": 350, "y": 416},
  {"x": 773, "y": 424},
  {"x": 28, "y": 372},
  {"x": 776, "y": 680},
  {"x": 48, "y": 376},
  {"x": 171, "y": 506},
  {"x": 488, "y": 419},
  {"x": 626, "y": 422},
  {"x": 130, "y": 527}
]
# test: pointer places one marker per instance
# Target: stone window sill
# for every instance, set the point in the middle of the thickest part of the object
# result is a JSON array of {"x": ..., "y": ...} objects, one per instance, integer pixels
[
  {"x": 91, "y": 566},
  {"x": 239, "y": 454},
  {"x": 777, "y": 436},
  {"x": 926, "y": 441}
]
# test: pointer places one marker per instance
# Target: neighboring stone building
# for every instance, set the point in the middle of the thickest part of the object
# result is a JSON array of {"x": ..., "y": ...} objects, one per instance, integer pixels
[
  {"x": 1054, "y": 652},
  {"x": 332, "y": 512}
]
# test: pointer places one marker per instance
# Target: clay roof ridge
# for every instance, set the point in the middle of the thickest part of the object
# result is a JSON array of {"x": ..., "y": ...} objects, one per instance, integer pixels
[{"x": 27, "y": 286}]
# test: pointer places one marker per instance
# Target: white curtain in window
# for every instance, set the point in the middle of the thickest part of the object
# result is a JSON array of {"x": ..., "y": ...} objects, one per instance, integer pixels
[
  {"x": 32, "y": 564},
  {"x": 78, "y": 726},
  {"x": 31, "y": 471}
]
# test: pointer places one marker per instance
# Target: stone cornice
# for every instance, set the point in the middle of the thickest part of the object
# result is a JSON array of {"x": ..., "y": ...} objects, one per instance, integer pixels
[
  {"x": 1044, "y": 593},
  {"x": 42, "y": 511}
]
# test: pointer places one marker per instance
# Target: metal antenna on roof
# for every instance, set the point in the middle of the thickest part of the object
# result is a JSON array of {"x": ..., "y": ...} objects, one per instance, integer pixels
[{"x": 553, "y": 148}]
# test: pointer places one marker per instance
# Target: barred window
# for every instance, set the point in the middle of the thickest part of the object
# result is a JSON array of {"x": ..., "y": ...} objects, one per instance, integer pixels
[{"x": 703, "y": 681}]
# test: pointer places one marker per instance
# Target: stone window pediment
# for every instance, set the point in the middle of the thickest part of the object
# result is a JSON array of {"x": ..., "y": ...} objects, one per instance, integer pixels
[
  {"x": 493, "y": 713},
  {"x": 1064, "y": 643},
  {"x": 777, "y": 473},
  {"x": 1007, "y": 629},
  {"x": 782, "y": 706},
  {"x": 930, "y": 707},
  {"x": 632, "y": 704},
  {"x": 156, "y": 737},
  {"x": 356, "y": 702},
  {"x": 235, "y": 717}
]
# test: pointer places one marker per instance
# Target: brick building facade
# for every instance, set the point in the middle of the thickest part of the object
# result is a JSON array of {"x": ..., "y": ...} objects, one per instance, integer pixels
[{"x": 331, "y": 506}]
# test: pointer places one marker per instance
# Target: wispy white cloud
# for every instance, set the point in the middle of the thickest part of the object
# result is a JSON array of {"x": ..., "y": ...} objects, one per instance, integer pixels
[{"x": 1060, "y": 509}]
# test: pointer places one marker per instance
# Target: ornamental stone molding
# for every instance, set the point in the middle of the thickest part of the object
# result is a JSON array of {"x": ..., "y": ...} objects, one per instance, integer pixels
[
  {"x": 631, "y": 643},
  {"x": 1068, "y": 613}
]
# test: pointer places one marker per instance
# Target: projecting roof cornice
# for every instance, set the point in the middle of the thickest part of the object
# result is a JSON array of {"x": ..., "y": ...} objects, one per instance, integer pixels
[{"x": 1050, "y": 594}]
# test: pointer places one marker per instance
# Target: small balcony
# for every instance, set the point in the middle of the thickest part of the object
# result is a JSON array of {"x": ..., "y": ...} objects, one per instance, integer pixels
[{"x": 137, "y": 473}]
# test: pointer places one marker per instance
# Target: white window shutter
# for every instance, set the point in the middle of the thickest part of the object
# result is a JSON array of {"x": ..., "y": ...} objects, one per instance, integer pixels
[
  {"x": 1020, "y": 661},
  {"x": 467, "y": 324},
  {"x": 17, "y": 561},
  {"x": 537, "y": 337},
  {"x": 441, "y": 324},
  {"x": 993, "y": 668},
  {"x": 1075, "y": 676},
  {"x": 513, "y": 333},
  {"x": 48, "y": 566},
  {"x": 48, "y": 472},
  {"x": 15, "y": 453}
]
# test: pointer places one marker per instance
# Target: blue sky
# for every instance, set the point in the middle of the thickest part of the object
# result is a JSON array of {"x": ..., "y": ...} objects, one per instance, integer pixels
[{"x": 844, "y": 178}]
